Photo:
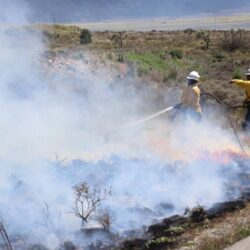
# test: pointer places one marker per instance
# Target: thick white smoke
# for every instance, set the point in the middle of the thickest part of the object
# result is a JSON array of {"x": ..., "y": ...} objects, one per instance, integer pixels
[{"x": 54, "y": 111}]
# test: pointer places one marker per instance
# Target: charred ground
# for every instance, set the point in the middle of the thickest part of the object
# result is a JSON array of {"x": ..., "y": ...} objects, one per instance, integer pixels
[{"x": 162, "y": 59}]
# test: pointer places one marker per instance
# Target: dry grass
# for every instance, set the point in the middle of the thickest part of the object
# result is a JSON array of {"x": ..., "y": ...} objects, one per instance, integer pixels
[
  {"x": 151, "y": 53},
  {"x": 220, "y": 233}
]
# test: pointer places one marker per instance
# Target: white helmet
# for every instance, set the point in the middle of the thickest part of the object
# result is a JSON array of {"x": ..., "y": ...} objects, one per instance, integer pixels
[
  {"x": 194, "y": 75},
  {"x": 248, "y": 72}
]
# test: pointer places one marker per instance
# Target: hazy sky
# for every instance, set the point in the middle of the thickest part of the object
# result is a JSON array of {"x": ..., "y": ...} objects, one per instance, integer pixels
[{"x": 95, "y": 10}]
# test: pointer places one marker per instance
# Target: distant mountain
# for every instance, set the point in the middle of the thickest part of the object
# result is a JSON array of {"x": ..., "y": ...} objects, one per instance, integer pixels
[{"x": 97, "y": 10}]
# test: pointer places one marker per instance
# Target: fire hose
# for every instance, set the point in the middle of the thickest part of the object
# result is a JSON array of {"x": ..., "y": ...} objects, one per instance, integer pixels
[{"x": 227, "y": 106}]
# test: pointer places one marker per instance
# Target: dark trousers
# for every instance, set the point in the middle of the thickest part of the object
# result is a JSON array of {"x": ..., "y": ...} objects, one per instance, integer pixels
[
  {"x": 190, "y": 113},
  {"x": 246, "y": 123}
]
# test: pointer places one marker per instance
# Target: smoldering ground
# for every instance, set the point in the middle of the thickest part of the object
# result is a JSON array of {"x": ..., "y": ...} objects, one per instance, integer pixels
[{"x": 60, "y": 128}]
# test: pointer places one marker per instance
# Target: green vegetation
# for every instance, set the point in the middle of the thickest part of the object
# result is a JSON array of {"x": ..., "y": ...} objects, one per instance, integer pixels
[
  {"x": 233, "y": 40},
  {"x": 159, "y": 242},
  {"x": 219, "y": 56},
  {"x": 237, "y": 74},
  {"x": 176, "y": 54},
  {"x": 166, "y": 57},
  {"x": 242, "y": 233},
  {"x": 205, "y": 37},
  {"x": 158, "y": 66},
  {"x": 175, "y": 231},
  {"x": 148, "y": 61},
  {"x": 85, "y": 36},
  {"x": 118, "y": 39}
]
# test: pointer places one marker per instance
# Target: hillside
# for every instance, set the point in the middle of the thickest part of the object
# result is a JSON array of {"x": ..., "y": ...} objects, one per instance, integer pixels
[
  {"x": 81, "y": 169},
  {"x": 165, "y": 57}
]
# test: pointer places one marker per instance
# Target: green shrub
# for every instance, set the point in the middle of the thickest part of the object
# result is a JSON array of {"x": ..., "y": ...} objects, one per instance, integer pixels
[
  {"x": 219, "y": 56},
  {"x": 233, "y": 40},
  {"x": 85, "y": 36},
  {"x": 172, "y": 74},
  {"x": 189, "y": 31},
  {"x": 237, "y": 74},
  {"x": 205, "y": 37},
  {"x": 120, "y": 58},
  {"x": 118, "y": 39},
  {"x": 243, "y": 233},
  {"x": 159, "y": 242},
  {"x": 142, "y": 71},
  {"x": 178, "y": 230},
  {"x": 177, "y": 53}
]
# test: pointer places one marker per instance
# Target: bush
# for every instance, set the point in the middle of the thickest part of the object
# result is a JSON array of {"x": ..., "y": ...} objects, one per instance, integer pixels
[
  {"x": 142, "y": 71},
  {"x": 189, "y": 31},
  {"x": 205, "y": 37},
  {"x": 118, "y": 39},
  {"x": 219, "y": 56},
  {"x": 173, "y": 74},
  {"x": 87, "y": 201},
  {"x": 85, "y": 36},
  {"x": 176, "y": 54},
  {"x": 120, "y": 58},
  {"x": 233, "y": 40},
  {"x": 237, "y": 74}
]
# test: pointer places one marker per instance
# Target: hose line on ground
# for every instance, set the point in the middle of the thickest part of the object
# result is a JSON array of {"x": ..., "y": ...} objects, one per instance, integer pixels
[{"x": 227, "y": 106}]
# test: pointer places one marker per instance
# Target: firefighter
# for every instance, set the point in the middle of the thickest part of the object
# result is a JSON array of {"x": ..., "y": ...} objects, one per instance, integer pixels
[
  {"x": 245, "y": 85},
  {"x": 191, "y": 97}
]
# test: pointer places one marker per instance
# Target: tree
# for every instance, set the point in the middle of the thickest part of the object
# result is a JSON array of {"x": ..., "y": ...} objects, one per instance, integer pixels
[
  {"x": 118, "y": 39},
  {"x": 205, "y": 37},
  {"x": 87, "y": 201},
  {"x": 233, "y": 40},
  {"x": 85, "y": 36}
]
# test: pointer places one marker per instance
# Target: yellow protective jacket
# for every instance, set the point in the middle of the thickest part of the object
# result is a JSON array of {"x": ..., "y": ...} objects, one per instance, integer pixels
[
  {"x": 245, "y": 85},
  {"x": 191, "y": 98}
]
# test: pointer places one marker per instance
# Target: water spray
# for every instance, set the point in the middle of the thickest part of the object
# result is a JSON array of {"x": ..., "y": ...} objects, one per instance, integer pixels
[{"x": 150, "y": 117}]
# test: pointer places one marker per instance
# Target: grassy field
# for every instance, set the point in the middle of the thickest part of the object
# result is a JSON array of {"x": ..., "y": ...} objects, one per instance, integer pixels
[
  {"x": 166, "y": 57},
  {"x": 209, "y": 22}
]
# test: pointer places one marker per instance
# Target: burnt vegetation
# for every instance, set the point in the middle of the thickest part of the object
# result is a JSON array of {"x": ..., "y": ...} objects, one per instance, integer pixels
[
  {"x": 88, "y": 203},
  {"x": 164, "y": 58},
  {"x": 234, "y": 40}
]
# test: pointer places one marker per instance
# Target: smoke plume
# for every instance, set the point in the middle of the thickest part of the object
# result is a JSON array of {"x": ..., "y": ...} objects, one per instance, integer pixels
[{"x": 63, "y": 123}]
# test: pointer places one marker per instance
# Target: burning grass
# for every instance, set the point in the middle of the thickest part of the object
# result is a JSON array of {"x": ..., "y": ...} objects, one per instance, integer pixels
[
  {"x": 133, "y": 213},
  {"x": 77, "y": 110}
]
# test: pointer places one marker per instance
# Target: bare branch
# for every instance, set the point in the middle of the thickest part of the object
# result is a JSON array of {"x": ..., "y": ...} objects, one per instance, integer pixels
[
  {"x": 87, "y": 201},
  {"x": 59, "y": 161},
  {"x": 5, "y": 236}
]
